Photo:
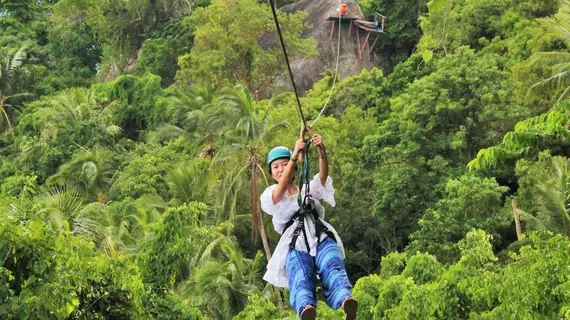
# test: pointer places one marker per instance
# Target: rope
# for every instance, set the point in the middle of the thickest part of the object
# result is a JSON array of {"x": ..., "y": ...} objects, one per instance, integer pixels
[
  {"x": 335, "y": 74},
  {"x": 287, "y": 61}
]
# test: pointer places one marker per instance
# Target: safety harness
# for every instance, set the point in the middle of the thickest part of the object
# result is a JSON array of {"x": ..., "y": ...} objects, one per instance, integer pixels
[{"x": 306, "y": 208}]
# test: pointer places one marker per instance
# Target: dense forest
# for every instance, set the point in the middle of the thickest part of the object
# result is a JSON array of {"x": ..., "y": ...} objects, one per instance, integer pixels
[{"x": 134, "y": 135}]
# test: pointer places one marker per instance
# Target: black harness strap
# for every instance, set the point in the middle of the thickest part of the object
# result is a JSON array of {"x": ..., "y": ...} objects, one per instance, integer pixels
[
  {"x": 320, "y": 228},
  {"x": 300, "y": 228},
  {"x": 307, "y": 208}
]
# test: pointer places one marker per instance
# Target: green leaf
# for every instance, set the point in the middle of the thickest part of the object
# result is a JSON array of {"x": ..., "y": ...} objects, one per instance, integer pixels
[
  {"x": 69, "y": 309},
  {"x": 427, "y": 55},
  {"x": 436, "y": 5}
]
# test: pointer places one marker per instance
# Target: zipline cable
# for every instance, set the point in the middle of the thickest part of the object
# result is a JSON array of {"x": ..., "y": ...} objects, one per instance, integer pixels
[
  {"x": 335, "y": 73},
  {"x": 287, "y": 61}
]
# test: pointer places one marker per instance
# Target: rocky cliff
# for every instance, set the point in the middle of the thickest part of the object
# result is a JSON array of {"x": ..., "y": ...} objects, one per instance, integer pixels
[{"x": 308, "y": 71}]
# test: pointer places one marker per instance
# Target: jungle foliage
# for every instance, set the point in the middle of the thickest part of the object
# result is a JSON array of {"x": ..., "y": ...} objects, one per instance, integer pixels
[{"x": 133, "y": 137}]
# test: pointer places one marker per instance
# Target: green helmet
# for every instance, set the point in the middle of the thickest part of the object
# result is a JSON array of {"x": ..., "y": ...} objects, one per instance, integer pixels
[{"x": 278, "y": 153}]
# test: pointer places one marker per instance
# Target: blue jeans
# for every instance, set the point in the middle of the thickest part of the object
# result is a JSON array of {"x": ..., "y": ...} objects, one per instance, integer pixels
[{"x": 300, "y": 268}]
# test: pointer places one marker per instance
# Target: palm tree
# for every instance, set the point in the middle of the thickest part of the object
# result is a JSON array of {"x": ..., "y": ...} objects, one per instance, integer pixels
[
  {"x": 221, "y": 285},
  {"x": 146, "y": 212},
  {"x": 559, "y": 61},
  {"x": 188, "y": 181},
  {"x": 74, "y": 106},
  {"x": 114, "y": 234},
  {"x": 66, "y": 206},
  {"x": 552, "y": 199},
  {"x": 92, "y": 173},
  {"x": 190, "y": 108},
  {"x": 12, "y": 78},
  {"x": 111, "y": 230},
  {"x": 236, "y": 111}
]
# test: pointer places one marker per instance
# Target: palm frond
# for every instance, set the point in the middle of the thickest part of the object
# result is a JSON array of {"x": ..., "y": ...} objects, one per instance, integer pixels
[
  {"x": 551, "y": 192},
  {"x": 550, "y": 58},
  {"x": 555, "y": 81},
  {"x": 532, "y": 222},
  {"x": 66, "y": 200},
  {"x": 167, "y": 132},
  {"x": 187, "y": 180},
  {"x": 207, "y": 253},
  {"x": 16, "y": 62}
]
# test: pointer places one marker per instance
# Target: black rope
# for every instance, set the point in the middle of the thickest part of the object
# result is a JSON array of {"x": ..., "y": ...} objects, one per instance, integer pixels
[{"x": 287, "y": 61}]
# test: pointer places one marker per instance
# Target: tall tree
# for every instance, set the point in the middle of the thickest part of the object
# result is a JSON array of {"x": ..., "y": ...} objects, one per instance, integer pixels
[
  {"x": 231, "y": 46},
  {"x": 559, "y": 61},
  {"x": 545, "y": 189},
  {"x": 92, "y": 173},
  {"x": 72, "y": 108},
  {"x": 12, "y": 78},
  {"x": 223, "y": 286},
  {"x": 243, "y": 150},
  {"x": 189, "y": 110}
]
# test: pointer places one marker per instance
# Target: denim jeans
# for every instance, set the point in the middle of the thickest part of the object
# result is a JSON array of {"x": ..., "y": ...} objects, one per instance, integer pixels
[{"x": 329, "y": 266}]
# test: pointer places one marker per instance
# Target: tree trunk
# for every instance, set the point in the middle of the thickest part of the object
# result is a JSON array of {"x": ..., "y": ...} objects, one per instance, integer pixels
[
  {"x": 256, "y": 218},
  {"x": 517, "y": 219}
]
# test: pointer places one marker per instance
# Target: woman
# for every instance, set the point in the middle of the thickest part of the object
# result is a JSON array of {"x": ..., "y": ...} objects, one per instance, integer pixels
[{"x": 317, "y": 248}]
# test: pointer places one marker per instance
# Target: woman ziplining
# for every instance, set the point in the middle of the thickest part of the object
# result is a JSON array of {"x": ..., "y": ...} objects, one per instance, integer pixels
[
  {"x": 296, "y": 211},
  {"x": 308, "y": 245}
]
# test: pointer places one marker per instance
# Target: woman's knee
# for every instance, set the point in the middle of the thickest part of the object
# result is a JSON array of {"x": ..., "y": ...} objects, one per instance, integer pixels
[{"x": 329, "y": 256}]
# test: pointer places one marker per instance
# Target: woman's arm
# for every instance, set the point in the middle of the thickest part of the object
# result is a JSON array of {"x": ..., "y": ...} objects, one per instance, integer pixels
[
  {"x": 287, "y": 174},
  {"x": 323, "y": 161}
]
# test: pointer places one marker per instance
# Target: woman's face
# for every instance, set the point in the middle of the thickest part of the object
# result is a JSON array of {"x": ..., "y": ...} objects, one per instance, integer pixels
[{"x": 277, "y": 168}]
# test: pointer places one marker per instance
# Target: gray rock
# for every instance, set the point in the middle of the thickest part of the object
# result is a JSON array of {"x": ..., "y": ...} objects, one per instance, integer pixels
[{"x": 308, "y": 71}]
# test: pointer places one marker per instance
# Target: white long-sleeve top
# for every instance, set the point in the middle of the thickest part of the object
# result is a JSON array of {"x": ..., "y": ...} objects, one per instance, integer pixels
[{"x": 282, "y": 212}]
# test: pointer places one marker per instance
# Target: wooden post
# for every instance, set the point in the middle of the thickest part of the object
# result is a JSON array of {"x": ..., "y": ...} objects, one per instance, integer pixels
[
  {"x": 358, "y": 41},
  {"x": 372, "y": 47},
  {"x": 517, "y": 219},
  {"x": 360, "y": 50}
]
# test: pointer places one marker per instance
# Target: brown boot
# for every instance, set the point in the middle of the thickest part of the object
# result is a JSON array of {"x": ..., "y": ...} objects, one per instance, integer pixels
[
  {"x": 350, "y": 306},
  {"x": 309, "y": 313}
]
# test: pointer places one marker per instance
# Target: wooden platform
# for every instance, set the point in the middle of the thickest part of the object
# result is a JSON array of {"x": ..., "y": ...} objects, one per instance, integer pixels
[
  {"x": 363, "y": 27},
  {"x": 343, "y": 19}
]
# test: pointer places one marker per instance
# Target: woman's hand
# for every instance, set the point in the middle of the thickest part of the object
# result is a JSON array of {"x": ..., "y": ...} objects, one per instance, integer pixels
[
  {"x": 317, "y": 140},
  {"x": 323, "y": 162},
  {"x": 299, "y": 146}
]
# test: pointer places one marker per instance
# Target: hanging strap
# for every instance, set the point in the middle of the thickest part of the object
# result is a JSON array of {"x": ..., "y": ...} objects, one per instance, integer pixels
[
  {"x": 304, "y": 179},
  {"x": 320, "y": 227},
  {"x": 298, "y": 229}
]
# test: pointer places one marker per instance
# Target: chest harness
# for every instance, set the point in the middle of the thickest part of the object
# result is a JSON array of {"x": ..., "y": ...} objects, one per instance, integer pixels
[{"x": 307, "y": 209}]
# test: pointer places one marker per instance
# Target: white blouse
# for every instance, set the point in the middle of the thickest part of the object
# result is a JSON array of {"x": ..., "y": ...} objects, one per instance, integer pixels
[{"x": 282, "y": 213}]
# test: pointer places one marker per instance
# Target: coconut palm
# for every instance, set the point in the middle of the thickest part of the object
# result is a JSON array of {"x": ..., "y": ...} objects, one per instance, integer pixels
[
  {"x": 558, "y": 61},
  {"x": 62, "y": 205},
  {"x": 188, "y": 181},
  {"x": 552, "y": 199},
  {"x": 92, "y": 173},
  {"x": 189, "y": 110},
  {"x": 12, "y": 78},
  {"x": 242, "y": 153},
  {"x": 222, "y": 285},
  {"x": 73, "y": 107}
]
